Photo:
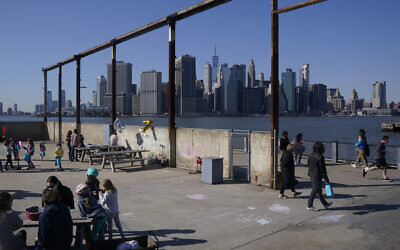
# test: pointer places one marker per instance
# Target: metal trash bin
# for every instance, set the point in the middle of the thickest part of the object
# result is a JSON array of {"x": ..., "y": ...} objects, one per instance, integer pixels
[{"x": 212, "y": 170}]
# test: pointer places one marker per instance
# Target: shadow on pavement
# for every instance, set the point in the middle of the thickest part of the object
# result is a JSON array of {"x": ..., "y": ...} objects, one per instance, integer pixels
[
  {"x": 136, "y": 168},
  {"x": 368, "y": 208},
  {"x": 173, "y": 241},
  {"x": 308, "y": 184},
  {"x": 21, "y": 194}
]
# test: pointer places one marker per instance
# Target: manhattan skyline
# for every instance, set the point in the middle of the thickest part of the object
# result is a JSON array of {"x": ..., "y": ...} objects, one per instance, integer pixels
[{"x": 348, "y": 53}]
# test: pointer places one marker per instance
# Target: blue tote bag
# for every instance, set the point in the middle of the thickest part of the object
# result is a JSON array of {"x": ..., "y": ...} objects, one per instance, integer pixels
[{"x": 329, "y": 191}]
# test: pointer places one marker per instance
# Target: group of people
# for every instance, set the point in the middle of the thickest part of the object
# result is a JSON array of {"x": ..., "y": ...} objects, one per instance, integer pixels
[
  {"x": 363, "y": 152},
  {"x": 74, "y": 140},
  {"x": 55, "y": 222},
  {"x": 12, "y": 148},
  {"x": 317, "y": 166}
]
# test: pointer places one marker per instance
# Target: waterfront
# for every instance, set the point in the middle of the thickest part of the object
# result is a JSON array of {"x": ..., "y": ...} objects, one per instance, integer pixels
[{"x": 342, "y": 129}]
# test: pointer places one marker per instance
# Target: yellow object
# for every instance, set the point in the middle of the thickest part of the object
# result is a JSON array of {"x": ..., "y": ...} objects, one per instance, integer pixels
[
  {"x": 148, "y": 125},
  {"x": 59, "y": 152}
]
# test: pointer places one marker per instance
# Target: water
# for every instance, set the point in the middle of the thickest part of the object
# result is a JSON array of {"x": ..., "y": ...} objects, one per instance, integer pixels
[{"x": 327, "y": 129}]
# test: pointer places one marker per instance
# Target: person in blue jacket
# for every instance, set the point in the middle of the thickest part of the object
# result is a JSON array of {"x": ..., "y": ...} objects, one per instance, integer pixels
[{"x": 361, "y": 147}]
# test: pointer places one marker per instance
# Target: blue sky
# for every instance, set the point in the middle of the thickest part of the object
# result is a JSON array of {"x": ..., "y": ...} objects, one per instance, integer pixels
[{"x": 348, "y": 44}]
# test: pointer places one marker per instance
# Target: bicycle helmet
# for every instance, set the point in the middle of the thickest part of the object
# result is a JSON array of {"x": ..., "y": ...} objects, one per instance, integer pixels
[{"x": 92, "y": 171}]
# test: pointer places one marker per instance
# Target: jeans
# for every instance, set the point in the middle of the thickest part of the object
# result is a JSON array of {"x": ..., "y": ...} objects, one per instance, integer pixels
[
  {"x": 298, "y": 154},
  {"x": 70, "y": 152},
  {"x": 316, "y": 189},
  {"x": 115, "y": 216}
]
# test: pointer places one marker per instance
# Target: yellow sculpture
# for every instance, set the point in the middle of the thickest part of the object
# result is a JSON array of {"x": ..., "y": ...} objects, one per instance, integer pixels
[{"x": 148, "y": 125}]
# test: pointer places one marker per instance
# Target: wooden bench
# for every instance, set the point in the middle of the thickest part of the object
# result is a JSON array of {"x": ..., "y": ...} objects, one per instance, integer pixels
[
  {"x": 76, "y": 221},
  {"x": 114, "y": 157},
  {"x": 92, "y": 151}
]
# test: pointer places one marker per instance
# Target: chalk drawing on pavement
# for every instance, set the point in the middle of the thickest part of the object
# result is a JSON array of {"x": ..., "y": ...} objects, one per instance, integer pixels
[
  {"x": 251, "y": 208},
  {"x": 279, "y": 208},
  {"x": 195, "y": 196},
  {"x": 263, "y": 222},
  {"x": 330, "y": 218}
]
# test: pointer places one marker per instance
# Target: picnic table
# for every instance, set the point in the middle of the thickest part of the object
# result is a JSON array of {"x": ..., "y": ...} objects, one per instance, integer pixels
[
  {"x": 93, "y": 149},
  {"x": 76, "y": 221},
  {"x": 114, "y": 157}
]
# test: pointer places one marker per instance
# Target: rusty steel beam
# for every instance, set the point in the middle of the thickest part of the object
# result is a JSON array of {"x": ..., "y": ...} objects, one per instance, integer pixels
[
  {"x": 274, "y": 89},
  {"x": 298, "y": 6},
  {"x": 185, "y": 13},
  {"x": 45, "y": 95},
  {"x": 171, "y": 97},
  {"x": 78, "y": 93},
  {"x": 113, "y": 85},
  {"x": 59, "y": 103}
]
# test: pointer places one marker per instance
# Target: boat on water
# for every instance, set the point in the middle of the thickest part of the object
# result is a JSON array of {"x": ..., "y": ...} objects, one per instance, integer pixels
[{"x": 390, "y": 126}]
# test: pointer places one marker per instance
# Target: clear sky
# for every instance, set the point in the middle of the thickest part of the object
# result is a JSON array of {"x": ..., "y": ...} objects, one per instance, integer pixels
[{"x": 348, "y": 43}]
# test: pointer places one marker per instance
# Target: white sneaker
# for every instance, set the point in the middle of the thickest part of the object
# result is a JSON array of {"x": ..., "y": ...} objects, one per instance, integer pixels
[
  {"x": 354, "y": 165},
  {"x": 312, "y": 209}
]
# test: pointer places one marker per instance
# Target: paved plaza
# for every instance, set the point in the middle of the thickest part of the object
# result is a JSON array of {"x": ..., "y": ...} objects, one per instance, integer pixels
[{"x": 185, "y": 213}]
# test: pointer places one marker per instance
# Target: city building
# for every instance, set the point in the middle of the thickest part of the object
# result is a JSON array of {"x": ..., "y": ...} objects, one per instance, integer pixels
[
  {"x": 289, "y": 89},
  {"x": 123, "y": 88},
  {"x": 63, "y": 98},
  {"x": 354, "y": 102},
  {"x": 234, "y": 80},
  {"x": 94, "y": 94},
  {"x": 252, "y": 100},
  {"x": 15, "y": 108},
  {"x": 101, "y": 90},
  {"x": 49, "y": 101},
  {"x": 68, "y": 104},
  {"x": 1, "y": 108},
  {"x": 9, "y": 111},
  {"x": 379, "y": 95},
  {"x": 304, "y": 82},
  {"x": 335, "y": 101},
  {"x": 208, "y": 78},
  {"x": 317, "y": 98},
  {"x": 215, "y": 63},
  {"x": 251, "y": 75},
  {"x": 136, "y": 104},
  {"x": 150, "y": 93},
  {"x": 185, "y": 77}
]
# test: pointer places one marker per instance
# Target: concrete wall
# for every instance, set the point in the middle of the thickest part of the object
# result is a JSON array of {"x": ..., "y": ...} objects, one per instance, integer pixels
[
  {"x": 260, "y": 160},
  {"x": 191, "y": 143},
  {"x": 24, "y": 130},
  {"x": 92, "y": 132}
]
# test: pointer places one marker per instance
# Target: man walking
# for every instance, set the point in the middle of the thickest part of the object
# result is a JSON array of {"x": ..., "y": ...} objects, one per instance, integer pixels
[{"x": 379, "y": 159}]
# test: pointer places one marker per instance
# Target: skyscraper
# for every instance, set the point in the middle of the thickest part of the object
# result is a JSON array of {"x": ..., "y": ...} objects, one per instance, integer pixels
[
  {"x": 49, "y": 101},
  {"x": 317, "y": 97},
  {"x": 223, "y": 75},
  {"x": 150, "y": 93},
  {"x": 63, "y": 98},
  {"x": 304, "y": 82},
  {"x": 15, "y": 108},
  {"x": 94, "y": 98},
  {"x": 101, "y": 89},
  {"x": 123, "y": 87},
  {"x": 251, "y": 75},
  {"x": 379, "y": 95},
  {"x": 289, "y": 89},
  {"x": 208, "y": 78},
  {"x": 185, "y": 78},
  {"x": 1, "y": 108},
  {"x": 215, "y": 63},
  {"x": 233, "y": 82}
]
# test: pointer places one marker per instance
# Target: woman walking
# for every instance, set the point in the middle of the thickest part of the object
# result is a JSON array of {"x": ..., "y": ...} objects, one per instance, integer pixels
[
  {"x": 287, "y": 171},
  {"x": 317, "y": 171},
  {"x": 361, "y": 149}
]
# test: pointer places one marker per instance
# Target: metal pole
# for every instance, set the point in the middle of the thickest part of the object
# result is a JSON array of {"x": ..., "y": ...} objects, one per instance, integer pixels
[
  {"x": 274, "y": 86},
  {"x": 114, "y": 84},
  {"x": 59, "y": 103},
  {"x": 45, "y": 95},
  {"x": 171, "y": 97},
  {"x": 78, "y": 94}
]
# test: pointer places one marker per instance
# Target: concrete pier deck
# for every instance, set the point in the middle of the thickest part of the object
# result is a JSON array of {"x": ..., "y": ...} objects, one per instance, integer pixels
[{"x": 186, "y": 214}]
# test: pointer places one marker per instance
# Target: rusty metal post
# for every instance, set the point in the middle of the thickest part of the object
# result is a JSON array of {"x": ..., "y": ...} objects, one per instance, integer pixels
[
  {"x": 59, "y": 103},
  {"x": 274, "y": 90},
  {"x": 114, "y": 85},
  {"x": 78, "y": 94},
  {"x": 171, "y": 97},
  {"x": 45, "y": 95}
]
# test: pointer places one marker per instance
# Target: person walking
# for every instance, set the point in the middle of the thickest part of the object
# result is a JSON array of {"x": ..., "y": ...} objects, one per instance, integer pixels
[
  {"x": 30, "y": 149},
  {"x": 9, "y": 222},
  {"x": 68, "y": 140},
  {"x": 284, "y": 141},
  {"x": 42, "y": 148},
  {"x": 380, "y": 159},
  {"x": 8, "y": 149},
  {"x": 59, "y": 154},
  {"x": 317, "y": 172},
  {"x": 288, "y": 173},
  {"x": 75, "y": 142},
  {"x": 109, "y": 200},
  {"x": 298, "y": 148},
  {"x": 361, "y": 146}
]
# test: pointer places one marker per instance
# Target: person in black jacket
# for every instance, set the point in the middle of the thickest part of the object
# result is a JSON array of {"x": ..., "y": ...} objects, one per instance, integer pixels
[
  {"x": 287, "y": 172},
  {"x": 284, "y": 141},
  {"x": 55, "y": 224},
  {"x": 317, "y": 171},
  {"x": 380, "y": 159},
  {"x": 65, "y": 195}
]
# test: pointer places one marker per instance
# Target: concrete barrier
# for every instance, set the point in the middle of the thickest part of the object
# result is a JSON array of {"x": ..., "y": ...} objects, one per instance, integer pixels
[
  {"x": 92, "y": 132},
  {"x": 24, "y": 130},
  {"x": 260, "y": 160}
]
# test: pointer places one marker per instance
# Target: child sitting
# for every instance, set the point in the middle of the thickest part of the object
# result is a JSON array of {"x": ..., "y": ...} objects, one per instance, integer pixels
[
  {"x": 58, "y": 154},
  {"x": 109, "y": 199},
  {"x": 42, "y": 150}
]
